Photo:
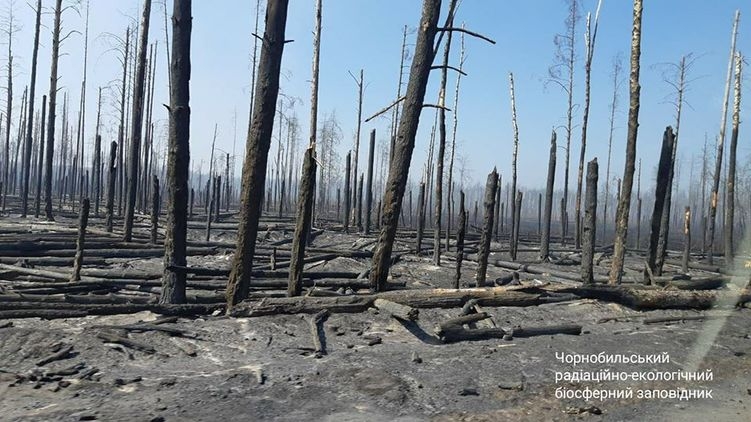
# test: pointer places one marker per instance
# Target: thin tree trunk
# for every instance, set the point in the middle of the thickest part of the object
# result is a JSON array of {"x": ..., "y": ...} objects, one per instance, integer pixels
[
  {"x": 730, "y": 200},
  {"x": 455, "y": 117},
  {"x": 137, "y": 122},
  {"x": 589, "y": 230},
  {"x": 420, "y": 217},
  {"x": 52, "y": 112},
  {"x": 369, "y": 187},
  {"x": 720, "y": 143},
  {"x": 347, "y": 190},
  {"x": 40, "y": 158},
  {"x": 121, "y": 126},
  {"x": 461, "y": 232},
  {"x": 545, "y": 238},
  {"x": 589, "y": 43},
  {"x": 517, "y": 223},
  {"x": 83, "y": 221},
  {"x": 624, "y": 203},
  {"x": 487, "y": 229},
  {"x": 155, "y": 199},
  {"x": 307, "y": 187},
  {"x": 111, "y": 177},
  {"x": 30, "y": 119},
  {"x": 257, "y": 149},
  {"x": 512, "y": 248},
  {"x": 687, "y": 240}
]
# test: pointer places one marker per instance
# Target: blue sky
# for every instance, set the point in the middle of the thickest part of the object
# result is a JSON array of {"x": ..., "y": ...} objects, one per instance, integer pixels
[{"x": 367, "y": 34}]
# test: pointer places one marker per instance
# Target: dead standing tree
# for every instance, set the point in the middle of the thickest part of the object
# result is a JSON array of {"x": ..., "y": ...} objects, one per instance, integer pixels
[
  {"x": 565, "y": 58},
  {"x": 589, "y": 229},
  {"x": 487, "y": 228},
  {"x": 730, "y": 195},
  {"x": 624, "y": 201},
  {"x": 52, "y": 113},
  {"x": 589, "y": 49},
  {"x": 137, "y": 123},
  {"x": 30, "y": 118},
  {"x": 178, "y": 156},
  {"x": 617, "y": 69},
  {"x": 545, "y": 237},
  {"x": 442, "y": 140},
  {"x": 257, "y": 150},
  {"x": 720, "y": 142},
  {"x": 308, "y": 177},
  {"x": 661, "y": 187},
  {"x": 404, "y": 143},
  {"x": 515, "y": 155}
]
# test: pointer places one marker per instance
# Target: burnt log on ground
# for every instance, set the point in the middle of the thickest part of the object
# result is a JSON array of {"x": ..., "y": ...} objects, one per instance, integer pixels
[
  {"x": 319, "y": 336},
  {"x": 646, "y": 299},
  {"x": 10, "y": 310}
]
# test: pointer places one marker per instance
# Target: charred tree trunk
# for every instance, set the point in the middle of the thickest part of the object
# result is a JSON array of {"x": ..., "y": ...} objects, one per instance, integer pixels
[
  {"x": 714, "y": 199},
  {"x": 517, "y": 223},
  {"x": 420, "y": 217},
  {"x": 347, "y": 190},
  {"x": 441, "y": 141},
  {"x": 155, "y": 200},
  {"x": 52, "y": 114},
  {"x": 359, "y": 204},
  {"x": 487, "y": 228},
  {"x": 111, "y": 177},
  {"x": 257, "y": 149},
  {"x": 589, "y": 229},
  {"x": 121, "y": 126},
  {"x": 369, "y": 188},
  {"x": 589, "y": 43},
  {"x": 730, "y": 195},
  {"x": 624, "y": 203},
  {"x": 304, "y": 220},
  {"x": 30, "y": 118},
  {"x": 687, "y": 240},
  {"x": 83, "y": 221},
  {"x": 663, "y": 172},
  {"x": 137, "y": 123},
  {"x": 512, "y": 246},
  {"x": 461, "y": 232},
  {"x": 404, "y": 143},
  {"x": 306, "y": 198},
  {"x": 545, "y": 237},
  {"x": 40, "y": 160}
]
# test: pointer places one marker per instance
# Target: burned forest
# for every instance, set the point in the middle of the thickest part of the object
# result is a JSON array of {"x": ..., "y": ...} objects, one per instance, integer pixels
[{"x": 336, "y": 210}]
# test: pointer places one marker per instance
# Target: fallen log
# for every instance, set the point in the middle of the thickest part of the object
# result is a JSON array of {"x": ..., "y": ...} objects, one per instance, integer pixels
[
  {"x": 62, "y": 353},
  {"x": 396, "y": 310},
  {"x": 70, "y": 310},
  {"x": 643, "y": 299},
  {"x": 423, "y": 298}
]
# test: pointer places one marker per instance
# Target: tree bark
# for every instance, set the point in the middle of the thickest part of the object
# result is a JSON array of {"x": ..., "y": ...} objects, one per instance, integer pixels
[
  {"x": 137, "y": 123},
  {"x": 154, "y": 209},
  {"x": 624, "y": 203},
  {"x": 589, "y": 231},
  {"x": 257, "y": 149},
  {"x": 405, "y": 143},
  {"x": 487, "y": 230}
]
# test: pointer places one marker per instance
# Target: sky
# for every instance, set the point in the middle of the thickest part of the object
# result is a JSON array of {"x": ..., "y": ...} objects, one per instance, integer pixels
[{"x": 367, "y": 34}]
